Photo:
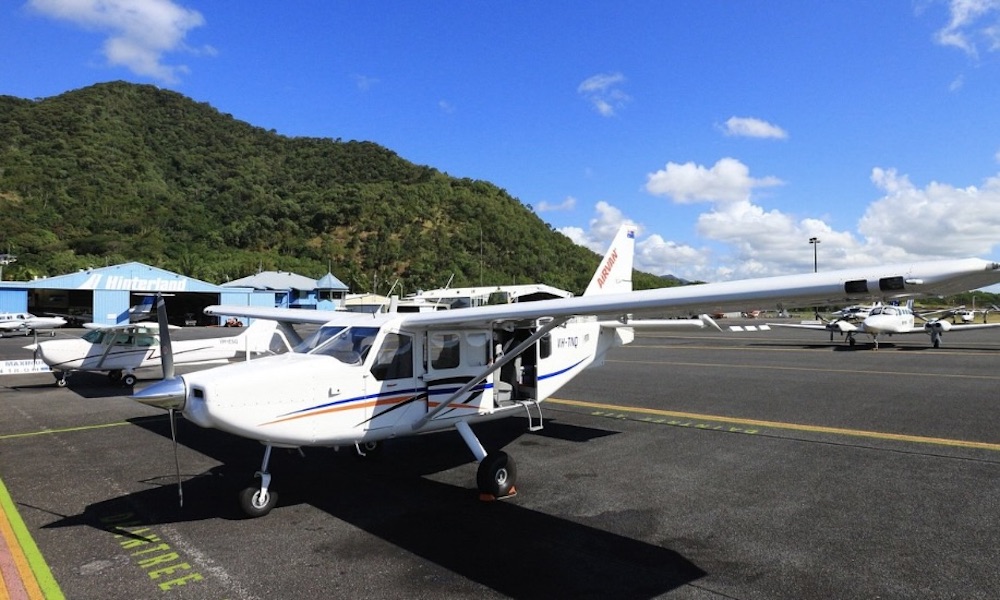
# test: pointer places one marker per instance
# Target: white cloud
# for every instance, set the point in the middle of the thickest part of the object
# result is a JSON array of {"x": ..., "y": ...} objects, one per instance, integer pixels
[
  {"x": 568, "y": 204},
  {"x": 971, "y": 23},
  {"x": 603, "y": 228},
  {"x": 938, "y": 220},
  {"x": 739, "y": 238},
  {"x": 603, "y": 92},
  {"x": 751, "y": 127},
  {"x": 652, "y": 255},
  {"x": 139, "y": 32},
  {"x": 728, "y": 180}
]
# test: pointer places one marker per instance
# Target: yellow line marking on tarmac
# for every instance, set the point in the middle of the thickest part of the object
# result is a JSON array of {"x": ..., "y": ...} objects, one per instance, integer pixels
[
  {"x": 36, "y": 580},
  {"x": 877, "y": 435},
  {"x": 10, "y": 436}
]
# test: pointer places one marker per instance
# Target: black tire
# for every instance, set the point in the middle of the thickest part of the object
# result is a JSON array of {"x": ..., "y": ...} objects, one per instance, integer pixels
[
  {"x": 128, "y": 380},
  {"x": 61, "y": 382},
  {"x": 497, "y": 474},
  {"x": 249, "y": 502}
]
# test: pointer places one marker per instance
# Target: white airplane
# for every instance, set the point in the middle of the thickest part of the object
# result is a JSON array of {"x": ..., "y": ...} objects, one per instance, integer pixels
[
  {"x": 362, "y": 379},
  {"x": 121, "y": 349},
  {"x": 28, "y": 323},
  {"x": 968, "y": 315},
  {"x": 855, "y": 312},
  {"x": 890, "y": 320}
]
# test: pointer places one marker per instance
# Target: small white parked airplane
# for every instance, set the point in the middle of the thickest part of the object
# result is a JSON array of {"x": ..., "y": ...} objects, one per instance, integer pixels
[
  {"x": 27, "y": 323},
  {"x": 890, "y": 320},
  {"x": 362, "y": 379},
  {"x": 121, "y": 349}
]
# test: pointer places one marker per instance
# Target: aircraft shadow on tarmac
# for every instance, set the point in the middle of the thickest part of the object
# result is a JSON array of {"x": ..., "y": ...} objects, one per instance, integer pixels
[
  {"x": 516, "y": 551},
  {"x": 85, "y": 385}
]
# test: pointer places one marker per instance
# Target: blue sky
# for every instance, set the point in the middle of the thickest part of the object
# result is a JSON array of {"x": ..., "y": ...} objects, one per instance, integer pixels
[{"x": 729, "y": 132}]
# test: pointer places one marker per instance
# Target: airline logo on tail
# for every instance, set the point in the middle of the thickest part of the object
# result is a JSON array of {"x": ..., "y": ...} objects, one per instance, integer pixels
[{"x": 615, "y": 272}]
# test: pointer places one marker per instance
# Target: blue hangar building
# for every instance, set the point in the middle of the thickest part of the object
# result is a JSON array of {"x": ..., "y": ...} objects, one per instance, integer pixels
[{"x": 105, "y": 295}]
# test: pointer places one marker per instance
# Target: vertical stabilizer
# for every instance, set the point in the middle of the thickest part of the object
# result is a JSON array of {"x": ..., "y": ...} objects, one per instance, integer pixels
[
  {"x": 614, "y": 274},
  {"x": 257, "y": 337}
]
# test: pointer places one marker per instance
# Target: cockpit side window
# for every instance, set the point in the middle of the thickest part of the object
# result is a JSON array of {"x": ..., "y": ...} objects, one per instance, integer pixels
[
  {"x": 395, "y": 358},
  {"x": 348, "y": 345},
  {"x": 94, "y": 336}
]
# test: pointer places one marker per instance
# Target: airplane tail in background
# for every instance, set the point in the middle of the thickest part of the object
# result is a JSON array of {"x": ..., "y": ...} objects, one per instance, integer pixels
[
  {"x": 614, "y": 274},
  {"x": 142, "y": 311},
  {"x": 257, "y": 337}
]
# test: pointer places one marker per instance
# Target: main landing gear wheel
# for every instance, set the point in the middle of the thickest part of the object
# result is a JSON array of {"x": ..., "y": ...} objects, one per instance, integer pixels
[
  {"x": 368, "y": 449},
  {"x": 257, "y": 502},
  {"x": 496, "y": 475},
  {"x": 128, "y": 380},
  {"x": 61, "y": 381}
]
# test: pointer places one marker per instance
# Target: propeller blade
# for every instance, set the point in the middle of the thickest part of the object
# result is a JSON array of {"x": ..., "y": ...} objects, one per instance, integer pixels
[
  {"x": 177, "y": 463},
  {"x": 166, "y": 350}
]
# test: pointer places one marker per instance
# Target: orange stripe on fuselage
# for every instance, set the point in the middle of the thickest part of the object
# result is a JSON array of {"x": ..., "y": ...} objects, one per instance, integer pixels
[{"x": 360, "y": 406}]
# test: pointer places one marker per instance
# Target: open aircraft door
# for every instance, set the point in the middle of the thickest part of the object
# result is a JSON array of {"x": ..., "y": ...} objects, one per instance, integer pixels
[{"x": 453, "y": 358}]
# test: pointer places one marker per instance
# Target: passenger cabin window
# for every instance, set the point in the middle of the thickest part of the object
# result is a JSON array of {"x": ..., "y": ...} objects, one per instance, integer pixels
[
  {"x": 445, "y": 350},
  {"x": 395, "y": 358}
]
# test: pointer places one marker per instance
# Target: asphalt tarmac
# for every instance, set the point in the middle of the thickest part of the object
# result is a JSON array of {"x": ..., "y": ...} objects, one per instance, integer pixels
[{"x": 768, "y": 464}]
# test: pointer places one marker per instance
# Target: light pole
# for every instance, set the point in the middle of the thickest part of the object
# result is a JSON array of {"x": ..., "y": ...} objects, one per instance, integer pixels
[{"x": 815, "y": 242}]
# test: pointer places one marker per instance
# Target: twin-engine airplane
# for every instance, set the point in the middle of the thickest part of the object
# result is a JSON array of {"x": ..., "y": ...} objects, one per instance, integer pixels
[
  {"x": 119, "y": 350},
  {"x": 890, "y": 320},
  {"x": 27, "y": 323},
  {"x": 362, "y": 379}
]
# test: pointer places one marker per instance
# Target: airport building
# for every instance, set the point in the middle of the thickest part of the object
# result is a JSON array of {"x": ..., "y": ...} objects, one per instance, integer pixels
[{"x": 106, "y": 295}]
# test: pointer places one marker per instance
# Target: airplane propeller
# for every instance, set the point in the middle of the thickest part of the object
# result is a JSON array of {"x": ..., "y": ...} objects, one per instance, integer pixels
[{"x": 167, "y": 361}]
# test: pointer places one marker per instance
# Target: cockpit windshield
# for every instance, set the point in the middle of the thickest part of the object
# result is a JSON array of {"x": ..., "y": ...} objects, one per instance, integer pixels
[
  {"x": 349, "y": 345},
  {"x": 94, "y": 336},
  {"x": 317, "y": 339}
]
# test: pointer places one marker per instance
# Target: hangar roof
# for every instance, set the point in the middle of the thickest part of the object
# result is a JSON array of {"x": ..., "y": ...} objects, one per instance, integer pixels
[
  {"x": 275, "y": 280},
  {"x": 131, "y": 276}
]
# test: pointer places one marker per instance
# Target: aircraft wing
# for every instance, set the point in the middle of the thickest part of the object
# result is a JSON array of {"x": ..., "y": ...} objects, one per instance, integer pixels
[
  {"x": 963, "y": 326},
  {"x": 291, "y": 315},
  {"x": 841, "y": 326},
  {"x": 901, "y": 281},
  {"x": 701, "y": 322}
]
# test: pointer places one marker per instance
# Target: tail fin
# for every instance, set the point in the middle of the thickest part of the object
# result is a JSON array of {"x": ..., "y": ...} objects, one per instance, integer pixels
[
  {"x": 614, "y": 274},
  {"x": 258, "y": 335},
  {"x": 143, "y": 310}
]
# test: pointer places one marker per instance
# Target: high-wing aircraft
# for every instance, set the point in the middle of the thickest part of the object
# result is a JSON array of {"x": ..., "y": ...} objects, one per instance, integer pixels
[
  {"x": 121, "y": 349},
  {"x": 27, "y": 323},
  {"x": 141, "y": 311},
  {"x": 890, "y": 320},
  {"x": 362, "y": 379}
]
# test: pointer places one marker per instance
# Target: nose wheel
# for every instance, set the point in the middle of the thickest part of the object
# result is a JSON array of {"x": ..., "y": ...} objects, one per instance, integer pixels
[{"x": 258, "y": 500}]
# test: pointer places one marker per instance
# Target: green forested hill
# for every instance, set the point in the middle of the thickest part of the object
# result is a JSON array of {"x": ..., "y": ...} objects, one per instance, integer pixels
[{"x": 119, "y": 172}]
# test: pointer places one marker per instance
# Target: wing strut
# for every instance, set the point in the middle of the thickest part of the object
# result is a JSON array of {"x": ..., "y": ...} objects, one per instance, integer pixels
[{"x": 496, "y": 366}]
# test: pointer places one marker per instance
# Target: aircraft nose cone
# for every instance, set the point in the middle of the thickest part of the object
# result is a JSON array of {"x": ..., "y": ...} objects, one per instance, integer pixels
[
  {"x": 167, "y": 394},
  {"x": 879, "y": 323}
]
